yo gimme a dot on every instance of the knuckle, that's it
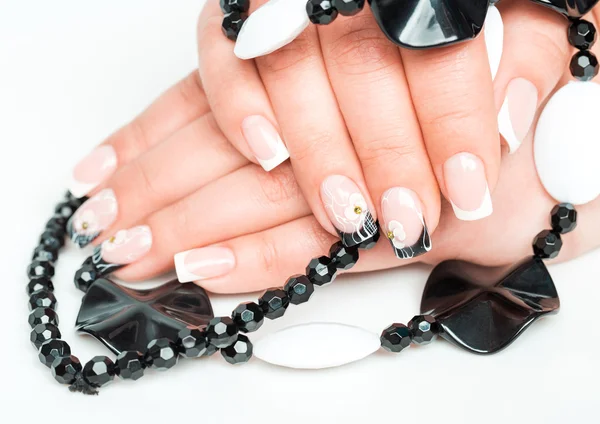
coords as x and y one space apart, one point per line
304 50
147 182
268 255
190 89
312 141
390 150
134 138
551 43
278 186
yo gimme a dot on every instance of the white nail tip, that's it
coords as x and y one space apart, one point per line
271 27
566 156
506 128
183 275
78 189
485 210
494 38
281 156
316 346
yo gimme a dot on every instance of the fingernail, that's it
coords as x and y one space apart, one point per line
404 223
494 38
127 246
518 112
265 142
92 170
94 216
467 187
203 263
347 210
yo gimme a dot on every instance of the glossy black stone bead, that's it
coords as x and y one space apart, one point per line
75 201
52 239
348 7
39 284
321 271
191 342
274 303
42 299
43 316
582 34
130 365
424 329
210 350
65 369
564 218
547 244
39 269
228 6
321 12
396 338
43 253
161 354
569 8
369 242
42 333
65 210
85 277
248 317
342 256
232 24
52 349
239 352
221 332
299 289
584 65
57 223
99 371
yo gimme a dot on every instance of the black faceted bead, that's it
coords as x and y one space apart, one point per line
58 224
191 342
584 65
42 299
423 328
39 284
130 365
369 243
582 34
38 269
299 289
228 6
232 24
274 302
221 332
75 201
396 338
239 352
547 244
65 210
248 317
43 253
161 354
52 349
342 256
321 271
42 333
348 7
564 218
99 371
321 12
85 277
65 369
43 316
210 350
52 239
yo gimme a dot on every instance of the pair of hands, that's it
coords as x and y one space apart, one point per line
348 104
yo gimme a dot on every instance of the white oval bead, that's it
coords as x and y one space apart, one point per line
316 346
567 144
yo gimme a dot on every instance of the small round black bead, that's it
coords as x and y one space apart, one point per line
396 338
210 350
564 218
75 201
342 256
248 317
299 289
274 303
161 354
65 369
40 269
52 349
39 284
85 277
228 6
582 34
58 224
424 328
65 210
42 333
130 365
547 244
321 271
232 24
584 65
52 239
321 12
239 352
191 342
43 253
371 242
42 316
99 371
221 332
348 7
42 299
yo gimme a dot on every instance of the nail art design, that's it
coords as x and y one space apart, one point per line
92 170
93 217
405 224
348 211
265 142
203 263
124 248
518 112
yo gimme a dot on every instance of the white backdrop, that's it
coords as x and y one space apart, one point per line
70 73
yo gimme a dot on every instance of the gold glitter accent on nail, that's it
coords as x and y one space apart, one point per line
357 210
390 235
85 225
112 239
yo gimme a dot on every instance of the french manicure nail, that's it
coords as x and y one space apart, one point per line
494 38
265 142
92 170
347 210
94 216
467 186
203 263
518 112
405 224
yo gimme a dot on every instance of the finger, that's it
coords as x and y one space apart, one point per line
176 108
236 94
363 64
182 164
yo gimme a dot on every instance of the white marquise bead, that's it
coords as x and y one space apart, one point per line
271 27
494 38
567 144
316 346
